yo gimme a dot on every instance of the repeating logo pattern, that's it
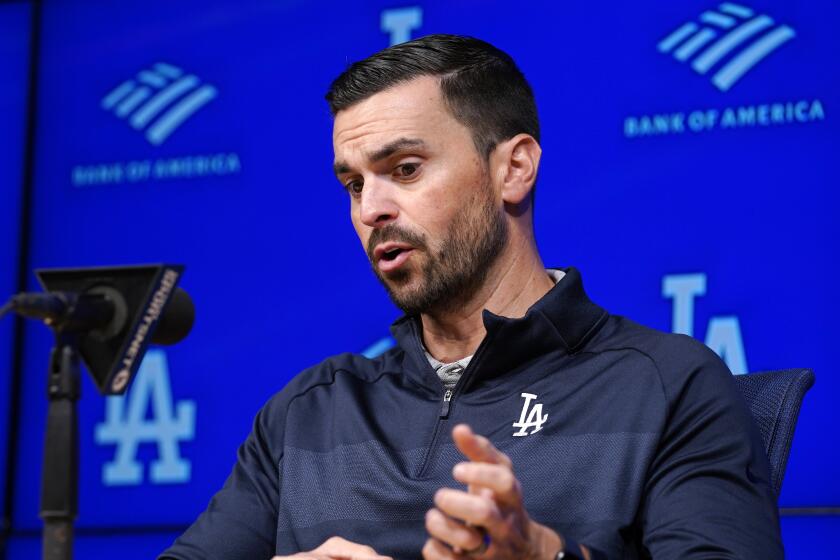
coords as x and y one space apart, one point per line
730 41
723 334
159 100
400 22
379 347
127 426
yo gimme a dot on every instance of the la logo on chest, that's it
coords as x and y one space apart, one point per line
531 418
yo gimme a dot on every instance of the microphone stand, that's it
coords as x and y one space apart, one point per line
60 472
121 307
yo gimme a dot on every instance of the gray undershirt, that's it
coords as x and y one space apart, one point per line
450 373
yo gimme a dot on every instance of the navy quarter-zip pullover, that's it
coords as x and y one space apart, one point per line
633 442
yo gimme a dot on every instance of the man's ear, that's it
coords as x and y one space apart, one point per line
517 161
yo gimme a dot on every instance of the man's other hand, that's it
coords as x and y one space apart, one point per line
489 520
336 548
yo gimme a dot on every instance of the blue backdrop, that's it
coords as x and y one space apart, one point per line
687 171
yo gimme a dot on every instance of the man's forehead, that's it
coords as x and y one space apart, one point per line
404 110
402 95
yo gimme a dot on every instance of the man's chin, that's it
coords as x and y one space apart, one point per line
401 283
407 292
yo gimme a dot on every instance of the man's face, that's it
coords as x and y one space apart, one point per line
422 201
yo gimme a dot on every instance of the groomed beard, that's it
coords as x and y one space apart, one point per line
453 274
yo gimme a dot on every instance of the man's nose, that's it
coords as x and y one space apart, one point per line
377 206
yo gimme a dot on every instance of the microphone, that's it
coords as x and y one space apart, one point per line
110 314
107 316
102 312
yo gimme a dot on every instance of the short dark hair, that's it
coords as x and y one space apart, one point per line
481 85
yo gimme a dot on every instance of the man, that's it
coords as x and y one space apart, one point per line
597 431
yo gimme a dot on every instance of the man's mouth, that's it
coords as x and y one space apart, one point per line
391 255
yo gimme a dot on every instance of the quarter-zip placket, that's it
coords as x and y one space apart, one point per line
446 404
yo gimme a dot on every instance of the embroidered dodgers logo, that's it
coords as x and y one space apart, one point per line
533 419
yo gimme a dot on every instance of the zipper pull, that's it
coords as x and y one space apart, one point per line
444 407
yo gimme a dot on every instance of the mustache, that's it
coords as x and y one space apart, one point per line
393 232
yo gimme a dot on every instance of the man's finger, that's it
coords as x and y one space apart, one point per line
452 532
470 508
436 550
500 479
478 448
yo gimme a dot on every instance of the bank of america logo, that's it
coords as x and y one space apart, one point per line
158 100
729 42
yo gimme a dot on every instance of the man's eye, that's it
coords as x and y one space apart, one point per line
406 170
354 187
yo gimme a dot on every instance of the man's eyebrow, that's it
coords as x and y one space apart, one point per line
393 147
340 167
389 149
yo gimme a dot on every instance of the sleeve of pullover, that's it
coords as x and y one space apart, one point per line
241 520
708 493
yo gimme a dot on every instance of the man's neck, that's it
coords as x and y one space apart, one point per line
515 282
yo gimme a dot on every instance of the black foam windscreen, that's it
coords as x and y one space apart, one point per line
148 308
177 319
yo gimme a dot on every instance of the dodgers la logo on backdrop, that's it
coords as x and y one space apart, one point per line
723 334
126 426
533 419
739 25
379 347
133 100
399 23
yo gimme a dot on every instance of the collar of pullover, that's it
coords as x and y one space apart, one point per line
564 319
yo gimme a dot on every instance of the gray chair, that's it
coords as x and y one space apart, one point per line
774 398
